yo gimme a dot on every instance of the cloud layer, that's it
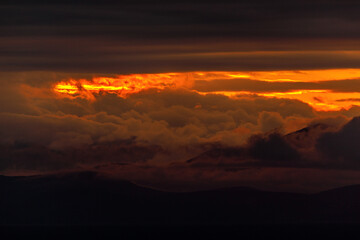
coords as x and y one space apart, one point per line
179 136
183 36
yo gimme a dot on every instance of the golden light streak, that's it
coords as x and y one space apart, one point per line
321 100
121 85
125 85
307 75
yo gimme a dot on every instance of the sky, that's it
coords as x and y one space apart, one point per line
183 96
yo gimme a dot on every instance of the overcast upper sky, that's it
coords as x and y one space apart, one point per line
184 36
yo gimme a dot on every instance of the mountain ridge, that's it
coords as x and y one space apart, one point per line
88 198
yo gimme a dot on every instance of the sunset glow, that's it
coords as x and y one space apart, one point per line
125 85
121 85
134 114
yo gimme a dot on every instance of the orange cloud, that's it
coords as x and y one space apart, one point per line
306 86
121 85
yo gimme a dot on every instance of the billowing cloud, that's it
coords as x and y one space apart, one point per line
168 118
249 125
330 144
206 140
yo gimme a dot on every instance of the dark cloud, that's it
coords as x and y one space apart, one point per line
183 36
307 137
318 99
154 63
327 145
262 150
24 155
184 19
348 100
324 144
342 147
272 148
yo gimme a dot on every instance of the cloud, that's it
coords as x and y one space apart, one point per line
272 148
342 147
315 146
177 124
167 118
157 62
151 135
127 38
264 86
80 19
348 100
270 121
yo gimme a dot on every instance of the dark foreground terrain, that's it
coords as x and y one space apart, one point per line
87 199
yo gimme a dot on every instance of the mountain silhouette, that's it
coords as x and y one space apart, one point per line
87 198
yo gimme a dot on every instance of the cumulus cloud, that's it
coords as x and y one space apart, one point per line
177 124
207 138
169 118
325 144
